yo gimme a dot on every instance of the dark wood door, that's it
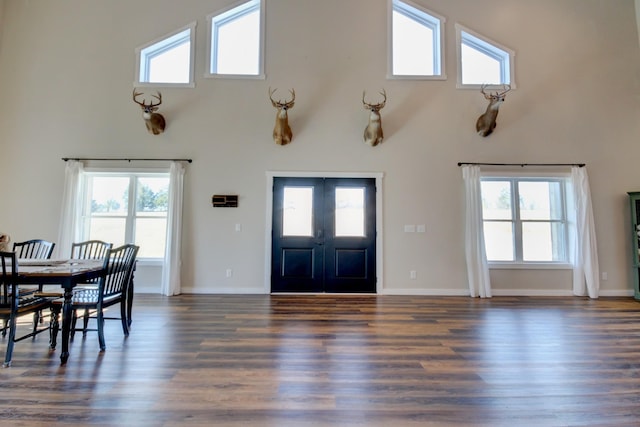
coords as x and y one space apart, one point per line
324 235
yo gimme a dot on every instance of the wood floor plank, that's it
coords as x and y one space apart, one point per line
352 360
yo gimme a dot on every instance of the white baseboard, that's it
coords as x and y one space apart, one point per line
225 291
421 292
504 292
426 292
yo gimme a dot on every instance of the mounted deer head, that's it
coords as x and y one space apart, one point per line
282 134
487 122
373 132
155 121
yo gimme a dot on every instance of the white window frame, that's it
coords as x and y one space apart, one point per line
567 202
145 53
228 14
85 203
429 19
493 49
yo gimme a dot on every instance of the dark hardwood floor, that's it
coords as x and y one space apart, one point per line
289 360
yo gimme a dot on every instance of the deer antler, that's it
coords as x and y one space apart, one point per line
506 88
378 106
279 104
135 95
159 98
143 103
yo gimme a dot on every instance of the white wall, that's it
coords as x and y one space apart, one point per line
66 72
637 4
1 20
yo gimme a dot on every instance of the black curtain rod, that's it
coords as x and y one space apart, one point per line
128 160
523 164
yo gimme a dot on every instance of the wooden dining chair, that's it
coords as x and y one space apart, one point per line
89 249
14 304
33 249
111 290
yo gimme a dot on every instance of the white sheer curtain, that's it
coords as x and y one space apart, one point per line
477 266
586 272
69 216
172 258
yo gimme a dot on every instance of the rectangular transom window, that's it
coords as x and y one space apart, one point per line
416 40
525 219
236 38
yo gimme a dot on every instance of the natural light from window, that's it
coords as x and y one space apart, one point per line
127 208
167 61
236 40
349 214
482 62
533 229
415 42
297 219
478 68
172 66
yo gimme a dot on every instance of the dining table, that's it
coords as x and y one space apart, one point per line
67 274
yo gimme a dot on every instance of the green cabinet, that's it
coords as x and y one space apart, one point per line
634 201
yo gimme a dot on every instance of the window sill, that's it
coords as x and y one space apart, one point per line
530 266
416 77
150 262
164 85
260 76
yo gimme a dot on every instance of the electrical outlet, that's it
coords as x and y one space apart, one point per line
229 272
413 274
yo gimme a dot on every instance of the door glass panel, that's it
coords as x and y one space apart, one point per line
297 208
349 212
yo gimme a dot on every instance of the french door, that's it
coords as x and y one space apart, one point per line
324 235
